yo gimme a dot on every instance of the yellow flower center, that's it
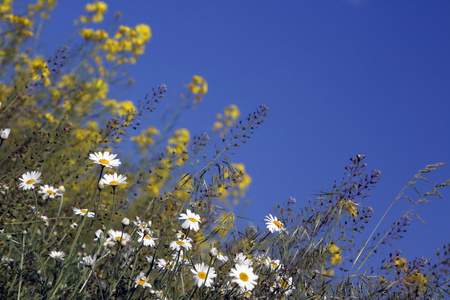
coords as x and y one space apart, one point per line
30 181
147 237
202 275
274 265
118 238
83 211
141 281
243 277
278 224
114 182
50 192
181 243
192 220
103 161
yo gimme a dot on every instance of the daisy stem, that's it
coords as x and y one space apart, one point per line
112 211
21 266
56 221
35 218
69 256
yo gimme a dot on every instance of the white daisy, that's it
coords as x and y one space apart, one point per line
88 261
84 211
177 245
48 192
274 264
243 275
105 159
57 255
192 220
29 179
162 264
203 274
241 259
119 236
179 256
146 239
114 179
273 224
142 280
4 133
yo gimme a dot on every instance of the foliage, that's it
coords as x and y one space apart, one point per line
163 227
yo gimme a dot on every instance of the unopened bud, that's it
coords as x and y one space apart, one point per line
61 189
4 133
213 252
101 185
125 222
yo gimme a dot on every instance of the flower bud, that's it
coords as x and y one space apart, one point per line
4 133
125 222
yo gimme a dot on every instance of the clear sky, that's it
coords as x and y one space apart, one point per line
340 78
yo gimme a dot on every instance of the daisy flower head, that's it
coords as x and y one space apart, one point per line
119 236
241 259
180 257
273 224
192 220
203 274
162 264
105 159
114 179
177 245
142 280
4 133
57 255
88 261
83 212
29 179
243 275
146 239
48 192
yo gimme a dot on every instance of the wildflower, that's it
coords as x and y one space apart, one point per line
29 179
180 257
6 260
83 212
57 255
203 274
146 239
114 179
48 192
284 285
44 218
243 275
162 264
142 280
119 236
241 259
88 261
177 245
105 159
4 133
192 220
125 222
274 264
141 224
273 224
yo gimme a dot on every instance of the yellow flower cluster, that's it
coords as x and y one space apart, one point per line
198 87
24 23
146 138
336 259
120 108
177 145
96 12
227 119
349 207
40 70
126 45
237 183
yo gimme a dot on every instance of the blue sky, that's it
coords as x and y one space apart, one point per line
340 78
